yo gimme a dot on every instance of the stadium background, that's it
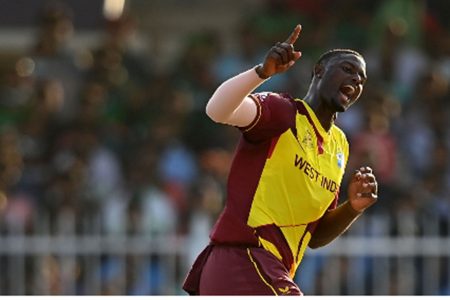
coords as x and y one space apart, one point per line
111 175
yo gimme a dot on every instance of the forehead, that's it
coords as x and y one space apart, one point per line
348 57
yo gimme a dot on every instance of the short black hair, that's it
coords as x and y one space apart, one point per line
324 58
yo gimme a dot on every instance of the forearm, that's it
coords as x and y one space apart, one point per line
333 224
230 103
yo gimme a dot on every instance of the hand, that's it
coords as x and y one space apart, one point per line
363 189
280 57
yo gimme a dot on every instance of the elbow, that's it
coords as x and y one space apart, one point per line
213 114
314 245
317 243
209 112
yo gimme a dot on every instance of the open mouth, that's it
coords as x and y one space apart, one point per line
348 91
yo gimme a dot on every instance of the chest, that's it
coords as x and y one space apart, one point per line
305 158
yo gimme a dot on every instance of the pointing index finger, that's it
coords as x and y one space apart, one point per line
294 35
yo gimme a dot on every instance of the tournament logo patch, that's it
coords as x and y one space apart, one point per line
307 141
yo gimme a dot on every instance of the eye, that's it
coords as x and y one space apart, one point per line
347 69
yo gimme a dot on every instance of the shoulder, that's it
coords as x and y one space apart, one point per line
276 113
273 104
272 96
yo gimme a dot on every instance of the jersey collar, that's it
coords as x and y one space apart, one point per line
321 134
312 117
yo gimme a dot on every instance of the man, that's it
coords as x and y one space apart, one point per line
285 177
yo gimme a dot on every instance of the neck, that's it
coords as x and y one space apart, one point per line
324 114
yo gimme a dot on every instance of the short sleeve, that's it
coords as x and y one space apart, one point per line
275 114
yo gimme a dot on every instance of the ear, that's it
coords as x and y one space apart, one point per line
318 70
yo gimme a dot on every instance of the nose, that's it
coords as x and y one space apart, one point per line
357 78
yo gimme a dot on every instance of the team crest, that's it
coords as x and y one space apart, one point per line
340 160
307 140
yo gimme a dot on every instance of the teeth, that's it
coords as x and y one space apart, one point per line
348 88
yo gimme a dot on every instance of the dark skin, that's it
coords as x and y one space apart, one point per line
336 85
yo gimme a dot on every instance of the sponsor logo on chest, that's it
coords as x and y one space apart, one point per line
314 175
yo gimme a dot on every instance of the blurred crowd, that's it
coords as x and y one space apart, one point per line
103 138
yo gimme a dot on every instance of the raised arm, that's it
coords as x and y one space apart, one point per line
231 104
